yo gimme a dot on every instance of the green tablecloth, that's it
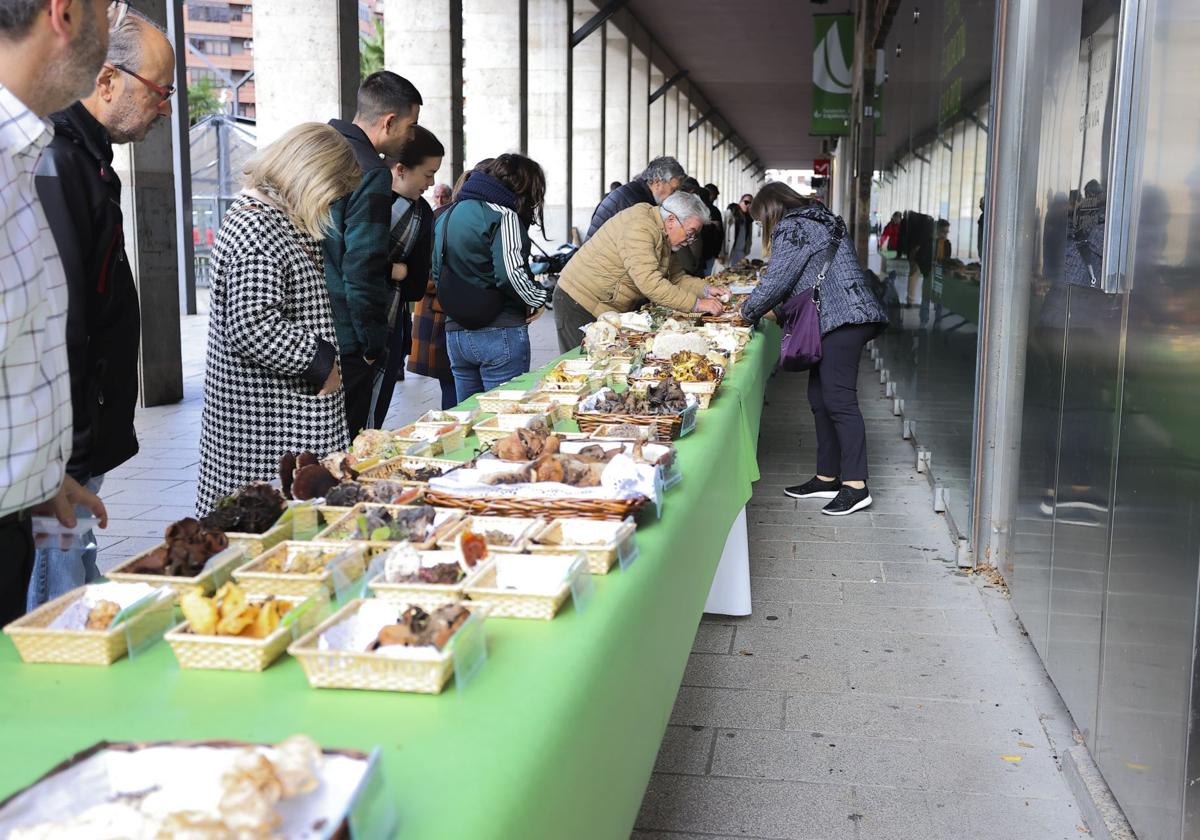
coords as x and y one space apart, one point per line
557 735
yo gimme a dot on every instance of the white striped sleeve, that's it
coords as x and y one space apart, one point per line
513 260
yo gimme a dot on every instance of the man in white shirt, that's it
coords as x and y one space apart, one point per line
50 53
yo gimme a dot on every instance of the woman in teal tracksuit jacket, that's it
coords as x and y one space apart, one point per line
484 238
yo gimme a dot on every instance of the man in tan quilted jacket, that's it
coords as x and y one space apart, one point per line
627 262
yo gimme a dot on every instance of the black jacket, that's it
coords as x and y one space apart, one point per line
626 195
712 235
82 198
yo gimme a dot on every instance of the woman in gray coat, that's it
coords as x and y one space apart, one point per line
804 235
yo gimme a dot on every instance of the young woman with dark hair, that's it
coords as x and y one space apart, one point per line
806 239
411 253
481 267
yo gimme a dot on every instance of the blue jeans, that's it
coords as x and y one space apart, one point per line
485 359
57 571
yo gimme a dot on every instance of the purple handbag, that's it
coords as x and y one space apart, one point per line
800 319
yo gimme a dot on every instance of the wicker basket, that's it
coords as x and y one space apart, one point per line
209 581
509 603
546 508
494 402
560 403
608 431
520 528
502 425
235 653
467 417
255 580
35 641
393 466
451 441
340 530
427 596
256 544
601 555
667 425
367 671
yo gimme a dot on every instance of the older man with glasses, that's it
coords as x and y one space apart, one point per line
628 261
50 53
82 197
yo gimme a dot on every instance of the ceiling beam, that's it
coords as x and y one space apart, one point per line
597 20
705 117
668 84
728 134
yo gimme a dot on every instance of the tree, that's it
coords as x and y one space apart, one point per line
370 52
202 99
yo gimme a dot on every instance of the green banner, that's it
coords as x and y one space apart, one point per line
833 74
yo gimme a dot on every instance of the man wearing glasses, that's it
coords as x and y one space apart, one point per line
739 228
50 52
81 195
628 261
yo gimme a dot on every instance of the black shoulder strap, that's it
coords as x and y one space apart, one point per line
446 231
830 253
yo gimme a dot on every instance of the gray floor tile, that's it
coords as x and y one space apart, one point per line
818 757
953 593
772 674
982 817
892 814
801 591
860 617
685 749
828 570
729 707
741 807
713 638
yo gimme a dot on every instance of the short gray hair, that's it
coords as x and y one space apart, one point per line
125 42
662 169
683 206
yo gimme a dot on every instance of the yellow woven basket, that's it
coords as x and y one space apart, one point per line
234 653
36 642
208 581
481 588
502 425
601 556
368 671
257 581
256 544
427 596
392 467
340 530
521 529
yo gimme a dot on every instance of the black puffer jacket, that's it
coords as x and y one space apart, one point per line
82 198
626 195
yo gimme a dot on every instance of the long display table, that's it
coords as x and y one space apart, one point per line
555 737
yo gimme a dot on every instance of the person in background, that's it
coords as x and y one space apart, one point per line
739 231
271 380
658 180
979 231
428 355
629 262
889 239
411 255
802 232
357 269
942 250
82 197
615 185
50 53
441 196
689 259
713 234
481 266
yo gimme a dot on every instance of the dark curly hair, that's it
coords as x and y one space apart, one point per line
524 176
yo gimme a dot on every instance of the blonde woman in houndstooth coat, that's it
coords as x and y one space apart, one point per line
272 383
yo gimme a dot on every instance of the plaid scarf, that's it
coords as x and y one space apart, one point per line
407 217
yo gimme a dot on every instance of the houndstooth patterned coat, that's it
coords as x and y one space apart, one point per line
269 327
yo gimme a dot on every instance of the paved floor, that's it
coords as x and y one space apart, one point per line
876 692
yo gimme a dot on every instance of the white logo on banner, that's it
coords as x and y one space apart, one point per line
831 71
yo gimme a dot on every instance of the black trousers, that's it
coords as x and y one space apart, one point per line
391 369
16 566
833 395
358 381
569 319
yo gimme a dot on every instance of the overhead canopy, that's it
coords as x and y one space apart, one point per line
753 61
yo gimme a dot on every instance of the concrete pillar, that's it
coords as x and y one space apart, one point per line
639 117
681 130
693 158
423 43
547 107
671 122
491 78
153 242
587 155
657 113
616 105
305 65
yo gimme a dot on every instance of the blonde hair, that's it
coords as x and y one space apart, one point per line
303 173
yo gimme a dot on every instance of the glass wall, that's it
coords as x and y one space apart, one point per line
931 161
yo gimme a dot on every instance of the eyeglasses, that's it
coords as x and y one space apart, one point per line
164 93
117 10
690 236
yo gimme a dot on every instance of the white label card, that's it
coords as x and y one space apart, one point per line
469 649
628 551
583 588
